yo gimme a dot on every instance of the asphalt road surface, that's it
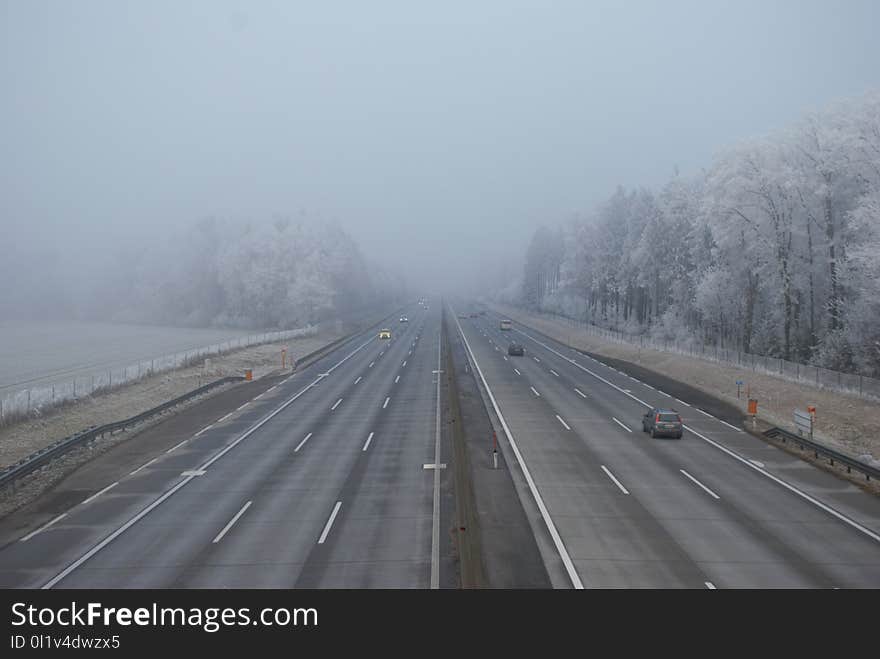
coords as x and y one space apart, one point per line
715 509
320 482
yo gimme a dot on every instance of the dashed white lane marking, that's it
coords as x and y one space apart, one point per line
177 446
360 377
622 425
270 390
205 429
562 421
329 523
616 482
711 493
222 419
536 359
505 357
704 413
300 445
404 363
730 426
664 393
43 527
143 466
648 385
97 494
710 585
580 393
682 402
336 404
371 365
554 372
535 392
367 443
231 522
241 407
517 371
385 404
397 379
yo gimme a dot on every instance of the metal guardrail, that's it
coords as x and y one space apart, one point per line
57 449
821 450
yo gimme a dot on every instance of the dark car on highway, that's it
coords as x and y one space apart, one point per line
516 349
662 423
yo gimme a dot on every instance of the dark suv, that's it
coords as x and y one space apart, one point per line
515 349
660 423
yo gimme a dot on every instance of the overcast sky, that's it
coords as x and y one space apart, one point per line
437 133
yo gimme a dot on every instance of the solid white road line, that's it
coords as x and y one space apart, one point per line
554 372
704 413
622 425
97 494
535 392
397 379
517 371
300 445
231 522
43 527
730 426
360 377
616 482
336 404
710 585
562 421
435 515
539 500
580 393
385 404
367 443
329 523
711 493
757 463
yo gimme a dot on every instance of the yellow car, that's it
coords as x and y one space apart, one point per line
385 334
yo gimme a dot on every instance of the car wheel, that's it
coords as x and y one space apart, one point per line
653 433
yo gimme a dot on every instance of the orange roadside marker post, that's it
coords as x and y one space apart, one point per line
753 410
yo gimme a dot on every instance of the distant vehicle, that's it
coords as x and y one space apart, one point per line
482 313
385 333
474 315
404 319
506 324
660 422
516 349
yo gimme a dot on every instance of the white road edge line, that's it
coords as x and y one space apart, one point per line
300 445
539 500
170 492
562 421
367 443
616 482
730 426
621 424
231 522
711 493
329 523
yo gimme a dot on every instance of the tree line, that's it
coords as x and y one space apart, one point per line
774 249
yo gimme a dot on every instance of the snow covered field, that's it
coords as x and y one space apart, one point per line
45 363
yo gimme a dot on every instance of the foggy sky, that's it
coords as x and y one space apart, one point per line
438 134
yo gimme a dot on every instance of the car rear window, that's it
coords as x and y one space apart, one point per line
669 417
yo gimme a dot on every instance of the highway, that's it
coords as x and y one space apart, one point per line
716 509
320 482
